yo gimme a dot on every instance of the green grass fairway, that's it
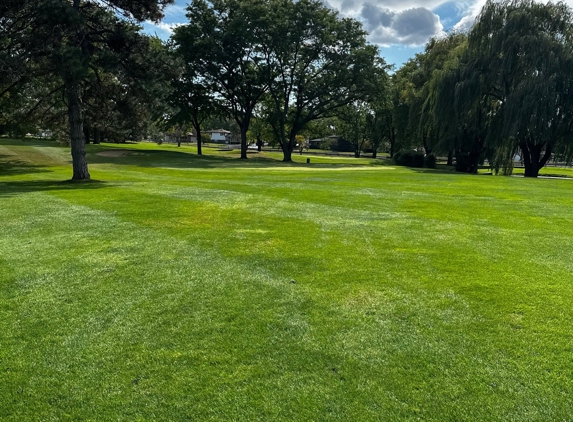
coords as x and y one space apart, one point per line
177 287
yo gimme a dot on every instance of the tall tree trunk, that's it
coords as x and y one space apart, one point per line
86 134
75 118
450 158
477 149
287 155
532 159
259 144
288 148
374 153
531 169
199 142
97 136
244 129
392 141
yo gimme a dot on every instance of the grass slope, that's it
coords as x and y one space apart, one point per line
180 287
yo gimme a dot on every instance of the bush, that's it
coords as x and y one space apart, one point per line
326 145
462 162
430 161
342 145
409 158
418 159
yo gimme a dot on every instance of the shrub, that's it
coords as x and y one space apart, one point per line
326 145
342 145
462 162
409 158
430 161
417 159
402 158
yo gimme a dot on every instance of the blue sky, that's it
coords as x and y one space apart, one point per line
399 27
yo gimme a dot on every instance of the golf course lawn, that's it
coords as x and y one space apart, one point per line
177 287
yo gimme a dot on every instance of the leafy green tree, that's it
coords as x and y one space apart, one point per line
318 61
518 78
259 132
379 102
61 38
191 102
354 125
403 121
124 98
221 45
391 115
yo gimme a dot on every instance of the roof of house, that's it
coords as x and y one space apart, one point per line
217 131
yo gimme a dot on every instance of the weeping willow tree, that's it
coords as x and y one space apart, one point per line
441 120
520 71
463 103
431 123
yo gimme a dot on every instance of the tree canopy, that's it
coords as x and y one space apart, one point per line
65 42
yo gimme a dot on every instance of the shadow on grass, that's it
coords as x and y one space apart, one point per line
444 169
28 186
182 160
11 167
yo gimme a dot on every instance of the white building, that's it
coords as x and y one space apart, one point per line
222 136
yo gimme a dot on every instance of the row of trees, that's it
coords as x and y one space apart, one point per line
286 62
284 69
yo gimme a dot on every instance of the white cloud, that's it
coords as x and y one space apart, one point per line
470 16
395 22
410 26
473 10
166 27
175 10
389 22
355 6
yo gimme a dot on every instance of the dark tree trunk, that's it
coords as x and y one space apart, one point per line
287 148
287 155
532 159
97 136
357 153
391 136
79 163
86 134
475 153
244 141
199 142
531 169
374 153
451 158
259 144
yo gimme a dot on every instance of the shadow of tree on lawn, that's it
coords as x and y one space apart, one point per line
27 186
11 166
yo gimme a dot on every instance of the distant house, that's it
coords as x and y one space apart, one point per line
222 136
176 138
317 143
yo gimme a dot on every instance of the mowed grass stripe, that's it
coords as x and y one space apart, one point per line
186 309
171 313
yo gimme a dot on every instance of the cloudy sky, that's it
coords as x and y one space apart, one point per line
399 27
